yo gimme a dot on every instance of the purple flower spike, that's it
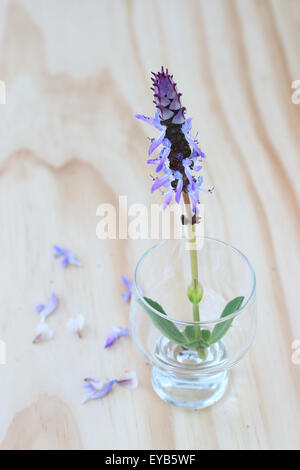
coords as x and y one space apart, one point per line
69 257
116 334
44 310
181 154
129 285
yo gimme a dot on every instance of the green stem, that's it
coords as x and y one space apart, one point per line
194 261
196 314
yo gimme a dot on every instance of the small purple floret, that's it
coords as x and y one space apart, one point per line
96 393
68 256
128 380
116 334
129 285
44 310
98 388
39 308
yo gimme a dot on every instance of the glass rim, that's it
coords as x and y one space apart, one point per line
201 323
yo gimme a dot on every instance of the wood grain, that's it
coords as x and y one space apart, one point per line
76 72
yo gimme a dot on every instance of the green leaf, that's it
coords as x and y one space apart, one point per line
221 328
194 342
190 333
198 343
165 326
206 335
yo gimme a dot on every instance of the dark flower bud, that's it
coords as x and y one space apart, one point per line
167 98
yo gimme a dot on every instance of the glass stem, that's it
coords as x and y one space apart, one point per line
193 259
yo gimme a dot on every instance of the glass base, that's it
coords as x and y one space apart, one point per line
193 394
185 380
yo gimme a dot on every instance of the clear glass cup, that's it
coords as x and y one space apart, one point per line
181 375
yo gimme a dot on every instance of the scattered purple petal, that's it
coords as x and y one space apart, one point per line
116 334
94 384
58 251
42 333
69 257
76 325
95 394
98 388
129 285
128 380
44 310
39 308
64 263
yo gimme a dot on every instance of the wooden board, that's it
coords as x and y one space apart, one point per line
76 72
